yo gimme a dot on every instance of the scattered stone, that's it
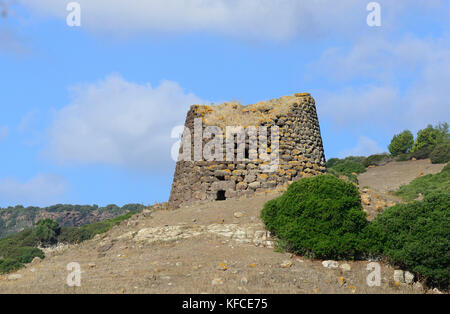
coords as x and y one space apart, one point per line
91 265
409 277
254 185
286 264
14 277
418 286
238 214
244 280
105 248
217 281
436 291
345 267
330 264
36 260
365 198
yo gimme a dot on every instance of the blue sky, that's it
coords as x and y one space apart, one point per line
86 112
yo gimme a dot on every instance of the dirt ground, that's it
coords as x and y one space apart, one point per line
219 247
395 174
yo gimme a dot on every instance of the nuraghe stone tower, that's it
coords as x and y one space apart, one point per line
292 129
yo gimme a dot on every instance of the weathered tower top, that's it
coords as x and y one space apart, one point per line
230 150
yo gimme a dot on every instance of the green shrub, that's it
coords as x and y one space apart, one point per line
8 265
320 217
422 153
401 143
332 162
426 185
376 160
18 249
87 232
349 167
404 157
441 153
416 237
47 231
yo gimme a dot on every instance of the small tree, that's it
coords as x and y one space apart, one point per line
431 136
401 143
47 231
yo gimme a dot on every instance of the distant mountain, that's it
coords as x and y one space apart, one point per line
15 219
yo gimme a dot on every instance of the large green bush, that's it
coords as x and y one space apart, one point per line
401 143
416 236
320 217
441 153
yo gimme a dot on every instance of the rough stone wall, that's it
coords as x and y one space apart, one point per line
300 151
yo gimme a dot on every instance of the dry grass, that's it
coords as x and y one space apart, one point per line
236 114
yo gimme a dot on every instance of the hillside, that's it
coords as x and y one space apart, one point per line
18 218
218 247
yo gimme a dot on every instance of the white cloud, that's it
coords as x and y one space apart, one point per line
409 90
41 190
364 147
119 123
365 106
4 131
259 19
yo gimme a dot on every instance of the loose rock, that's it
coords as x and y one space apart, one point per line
330 264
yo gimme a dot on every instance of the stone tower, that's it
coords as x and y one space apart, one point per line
287 146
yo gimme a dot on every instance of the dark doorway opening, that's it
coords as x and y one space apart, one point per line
221 195
221 178
247 153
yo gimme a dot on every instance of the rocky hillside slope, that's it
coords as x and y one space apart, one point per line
15 219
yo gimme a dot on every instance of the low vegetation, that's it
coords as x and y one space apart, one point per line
427 185
353 165
416 236
322 217
20 248
15 219
432 142
349 167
